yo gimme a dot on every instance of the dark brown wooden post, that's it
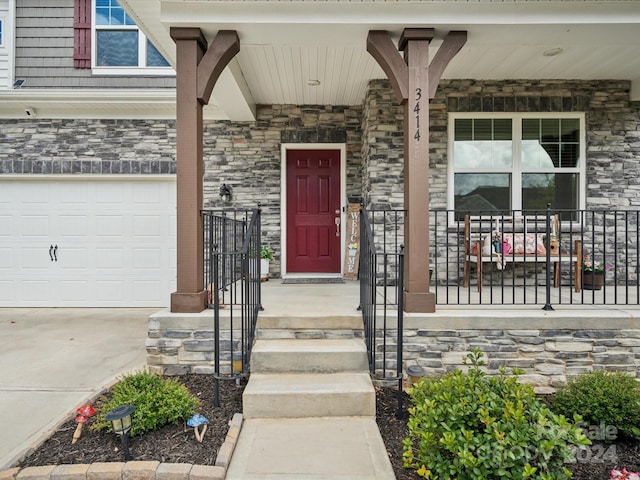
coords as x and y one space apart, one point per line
417 296
197 69
414 82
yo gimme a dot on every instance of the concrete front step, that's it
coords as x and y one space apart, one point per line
310 322
309 356
306 333
297 395
310 448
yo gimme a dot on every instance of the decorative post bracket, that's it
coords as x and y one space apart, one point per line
414 82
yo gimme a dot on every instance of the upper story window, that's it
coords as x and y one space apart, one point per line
120 48
502 162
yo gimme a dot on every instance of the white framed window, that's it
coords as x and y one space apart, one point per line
119 47
501 162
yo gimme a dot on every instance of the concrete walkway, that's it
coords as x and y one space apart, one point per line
310 448
53 360
309 406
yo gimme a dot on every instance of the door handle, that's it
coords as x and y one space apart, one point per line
55 253
337 220
51 252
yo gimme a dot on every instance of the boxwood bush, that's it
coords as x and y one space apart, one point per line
158 400
604 399
470 426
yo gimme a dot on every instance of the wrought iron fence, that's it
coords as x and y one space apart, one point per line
232 240
381 287
535 257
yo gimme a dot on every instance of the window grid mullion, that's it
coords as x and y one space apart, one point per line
516 176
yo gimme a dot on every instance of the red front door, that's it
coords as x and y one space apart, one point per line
313 205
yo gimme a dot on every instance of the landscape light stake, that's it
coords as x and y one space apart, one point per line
120 418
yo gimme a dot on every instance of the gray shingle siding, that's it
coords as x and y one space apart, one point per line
44 51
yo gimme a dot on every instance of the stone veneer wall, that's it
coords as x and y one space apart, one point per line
179 343
613 133
549 350
245 155
67 146
613 145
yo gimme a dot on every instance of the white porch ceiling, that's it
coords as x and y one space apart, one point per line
285 44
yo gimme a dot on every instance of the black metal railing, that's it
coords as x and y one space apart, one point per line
232 242
381 286
224 231
553 274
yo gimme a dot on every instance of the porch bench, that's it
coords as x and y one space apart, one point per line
523 246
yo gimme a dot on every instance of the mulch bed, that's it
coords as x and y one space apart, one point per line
177 443
171 443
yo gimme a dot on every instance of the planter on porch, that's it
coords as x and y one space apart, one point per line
264 269
592 280
266 255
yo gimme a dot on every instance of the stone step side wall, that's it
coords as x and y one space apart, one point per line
179 344
549 357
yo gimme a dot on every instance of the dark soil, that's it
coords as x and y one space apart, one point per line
177 443
171 443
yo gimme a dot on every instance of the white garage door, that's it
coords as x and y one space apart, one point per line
87 241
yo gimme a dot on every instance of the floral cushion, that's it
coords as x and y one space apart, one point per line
529 243
512 244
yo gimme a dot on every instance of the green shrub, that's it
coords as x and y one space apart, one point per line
471 426
158 401
603 399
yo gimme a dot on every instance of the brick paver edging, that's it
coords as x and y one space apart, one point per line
136 470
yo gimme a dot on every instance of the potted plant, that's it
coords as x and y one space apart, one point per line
266 255
593 273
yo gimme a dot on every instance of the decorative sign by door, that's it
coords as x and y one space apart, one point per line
352 259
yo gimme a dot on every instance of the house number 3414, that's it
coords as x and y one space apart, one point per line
416 109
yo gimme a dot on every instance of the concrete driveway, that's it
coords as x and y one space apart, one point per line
53 360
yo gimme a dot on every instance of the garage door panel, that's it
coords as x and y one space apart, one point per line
109 226
110 194
145 258
72 259
8 195
73 291
112 251
109 258
173 225
35 291
78 196
72 226
172 258
110 290
34 197
146 290
6 259
34 226
7 293
147 225
147 194
6 225
35 258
